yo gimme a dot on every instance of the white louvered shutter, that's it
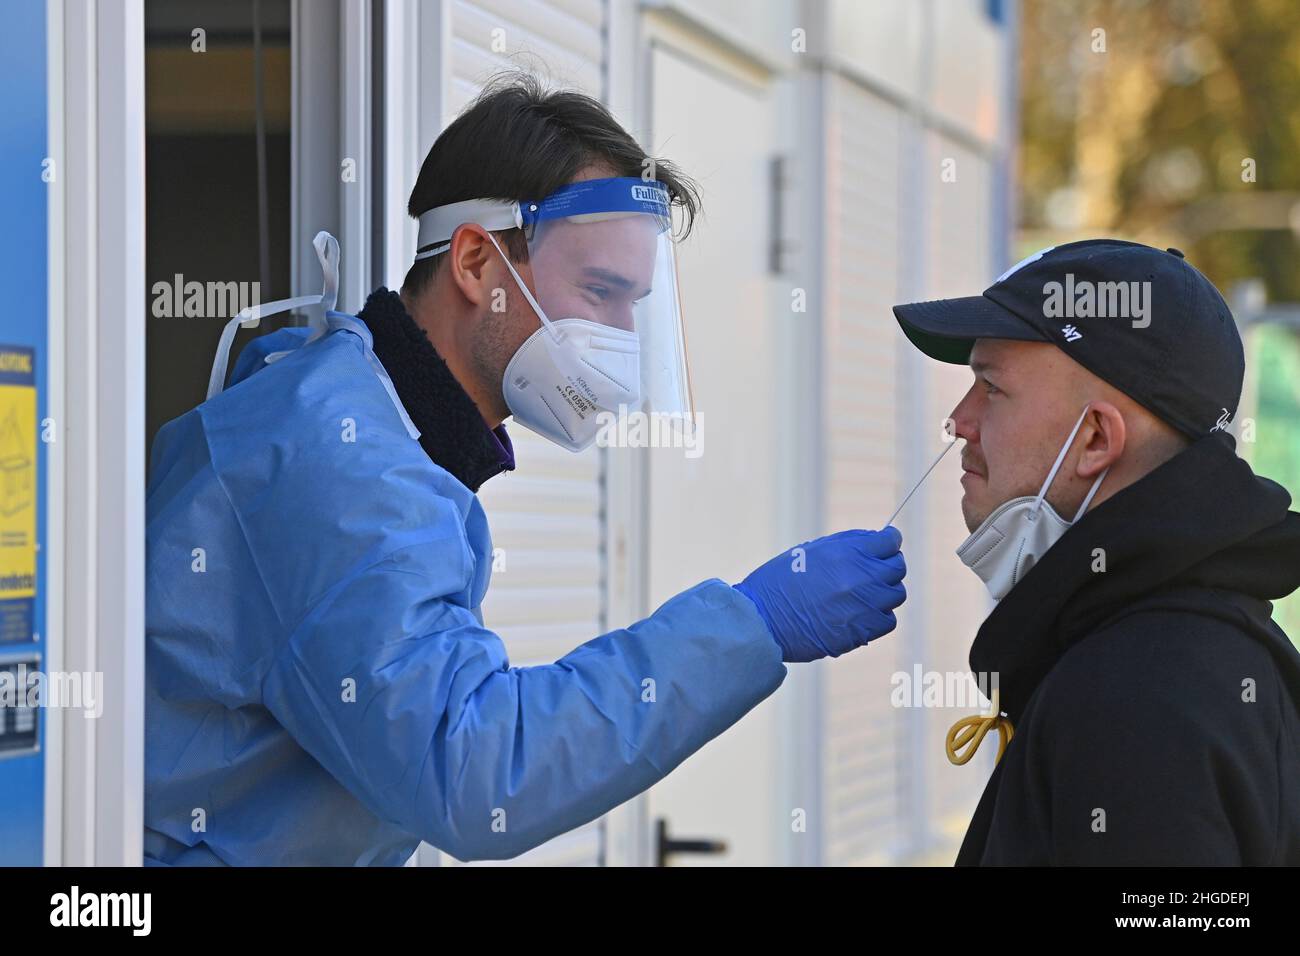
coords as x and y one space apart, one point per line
863 753
547 517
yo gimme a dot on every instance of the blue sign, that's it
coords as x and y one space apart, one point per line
25 178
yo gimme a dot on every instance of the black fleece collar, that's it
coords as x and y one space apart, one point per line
452 432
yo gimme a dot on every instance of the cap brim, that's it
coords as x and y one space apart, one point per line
946 329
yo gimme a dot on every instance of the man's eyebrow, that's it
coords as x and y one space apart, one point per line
981 365
613 278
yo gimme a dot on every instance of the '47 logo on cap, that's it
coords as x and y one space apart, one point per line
1072 334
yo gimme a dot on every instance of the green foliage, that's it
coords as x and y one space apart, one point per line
1147 139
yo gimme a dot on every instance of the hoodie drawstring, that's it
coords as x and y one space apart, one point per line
974 728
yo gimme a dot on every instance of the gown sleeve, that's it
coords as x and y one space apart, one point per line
405 698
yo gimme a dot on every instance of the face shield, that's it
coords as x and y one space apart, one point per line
610 339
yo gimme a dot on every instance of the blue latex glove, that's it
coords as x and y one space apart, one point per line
828 596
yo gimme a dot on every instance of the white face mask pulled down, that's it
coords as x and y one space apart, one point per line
1011 540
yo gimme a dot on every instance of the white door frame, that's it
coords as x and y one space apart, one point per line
629 827
98 309
330 124
688 33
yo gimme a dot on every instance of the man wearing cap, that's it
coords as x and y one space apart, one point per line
1155 706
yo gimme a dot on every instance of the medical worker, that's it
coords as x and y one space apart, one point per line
321 688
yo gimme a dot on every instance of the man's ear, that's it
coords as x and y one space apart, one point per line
468 259
1104 436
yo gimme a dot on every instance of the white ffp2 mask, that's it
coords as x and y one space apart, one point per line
569 371
1011 540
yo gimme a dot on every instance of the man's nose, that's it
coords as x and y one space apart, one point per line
964 418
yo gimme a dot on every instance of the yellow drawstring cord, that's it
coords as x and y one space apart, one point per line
975 727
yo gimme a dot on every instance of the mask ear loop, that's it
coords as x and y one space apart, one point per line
555 334
1065 450
1091 492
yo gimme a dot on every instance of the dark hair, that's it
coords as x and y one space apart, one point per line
518 141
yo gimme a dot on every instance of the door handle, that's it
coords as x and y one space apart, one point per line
666 846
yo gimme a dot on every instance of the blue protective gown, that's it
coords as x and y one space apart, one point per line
320 688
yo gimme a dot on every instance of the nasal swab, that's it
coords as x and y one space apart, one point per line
918 484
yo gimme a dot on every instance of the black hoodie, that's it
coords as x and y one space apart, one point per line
1156 705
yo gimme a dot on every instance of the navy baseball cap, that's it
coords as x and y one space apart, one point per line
1142 319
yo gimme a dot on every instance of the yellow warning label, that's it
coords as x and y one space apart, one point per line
17 492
